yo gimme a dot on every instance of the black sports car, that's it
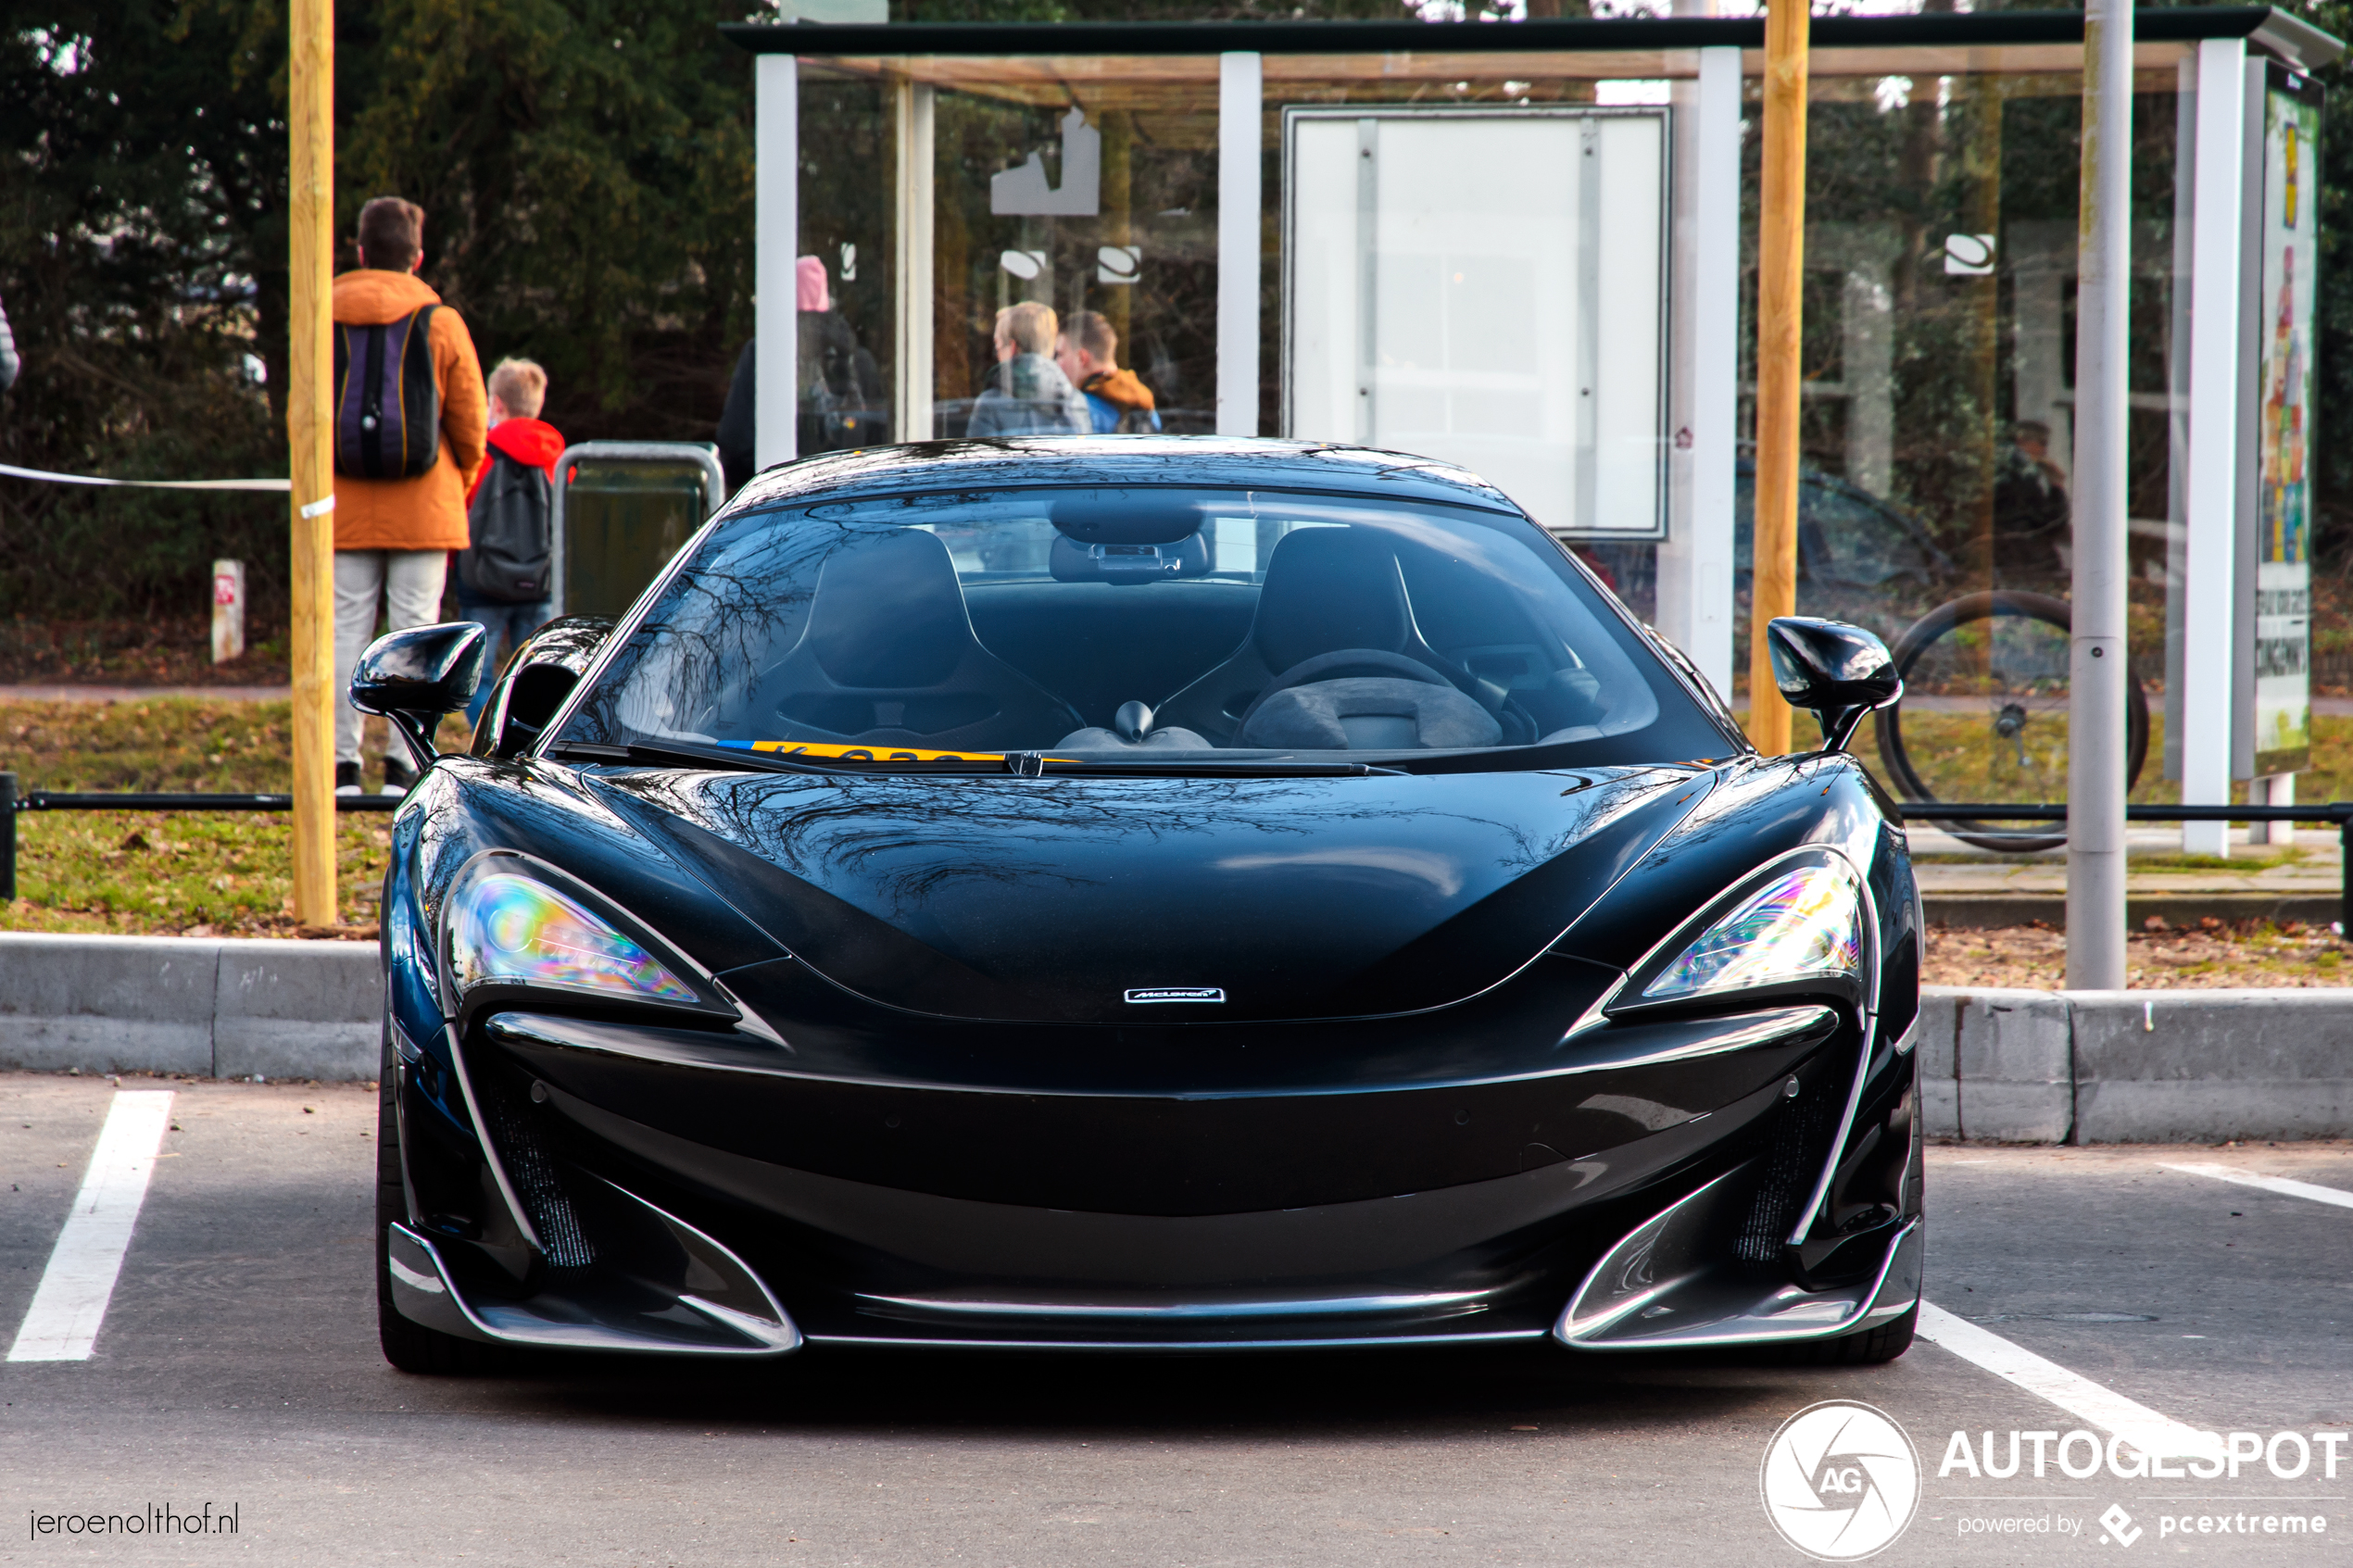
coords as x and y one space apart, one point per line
1147 893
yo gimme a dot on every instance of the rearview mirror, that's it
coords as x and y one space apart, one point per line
1839 671
414 677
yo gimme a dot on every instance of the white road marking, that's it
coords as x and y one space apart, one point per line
2337 1195
2159 1436
71 1301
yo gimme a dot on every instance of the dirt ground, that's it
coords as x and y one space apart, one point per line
2211 955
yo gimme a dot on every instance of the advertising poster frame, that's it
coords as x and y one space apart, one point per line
2273 701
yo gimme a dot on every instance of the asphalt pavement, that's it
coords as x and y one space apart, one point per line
236 1365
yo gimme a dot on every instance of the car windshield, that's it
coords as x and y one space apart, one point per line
1138 625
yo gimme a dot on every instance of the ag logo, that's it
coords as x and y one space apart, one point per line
1840 1481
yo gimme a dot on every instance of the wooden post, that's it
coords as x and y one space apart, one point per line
310 430
1780 286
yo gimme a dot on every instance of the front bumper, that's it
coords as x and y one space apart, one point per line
623 1162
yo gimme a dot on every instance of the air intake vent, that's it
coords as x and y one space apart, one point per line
537 1187
1797 1146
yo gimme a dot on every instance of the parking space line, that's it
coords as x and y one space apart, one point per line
62 1323
2158 1435
2336 1196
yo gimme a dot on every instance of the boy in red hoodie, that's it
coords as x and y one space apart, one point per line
502 578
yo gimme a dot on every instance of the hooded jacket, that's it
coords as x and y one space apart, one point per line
534 443
429 511
1029 394
1121 404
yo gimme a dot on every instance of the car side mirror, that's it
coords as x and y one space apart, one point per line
1839 671
414 677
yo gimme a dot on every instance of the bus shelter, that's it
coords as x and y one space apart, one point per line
1530 248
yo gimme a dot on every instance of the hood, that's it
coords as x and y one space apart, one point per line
1120 389
1051 899
535 442
372 296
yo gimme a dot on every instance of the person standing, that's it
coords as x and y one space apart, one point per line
1119 404
503 576
1028 394
400 481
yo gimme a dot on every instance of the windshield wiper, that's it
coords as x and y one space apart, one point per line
674 757
1172 767
1026 764
742 760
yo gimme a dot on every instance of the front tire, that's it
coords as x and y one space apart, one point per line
409 1346
1871 1347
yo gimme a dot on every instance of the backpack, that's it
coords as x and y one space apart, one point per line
388 399
511 523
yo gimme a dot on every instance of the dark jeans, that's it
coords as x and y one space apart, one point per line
508 624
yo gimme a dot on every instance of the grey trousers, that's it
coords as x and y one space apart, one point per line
407 585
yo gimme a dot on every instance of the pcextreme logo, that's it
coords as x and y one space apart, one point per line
1840 1481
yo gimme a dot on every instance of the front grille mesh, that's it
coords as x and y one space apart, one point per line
537 1184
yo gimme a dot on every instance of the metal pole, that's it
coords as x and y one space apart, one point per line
310 431
8 838
912 112
1781 285
2095 784
1240 235
2344 891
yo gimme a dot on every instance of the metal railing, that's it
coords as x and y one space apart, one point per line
2333 814
12 803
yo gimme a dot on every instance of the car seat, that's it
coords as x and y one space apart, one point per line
888 658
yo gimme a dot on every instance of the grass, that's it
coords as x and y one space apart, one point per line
1957 747
178 872
182 873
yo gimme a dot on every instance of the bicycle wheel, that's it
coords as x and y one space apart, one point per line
1985 712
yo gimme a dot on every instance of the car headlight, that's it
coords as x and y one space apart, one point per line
1800 925
517 930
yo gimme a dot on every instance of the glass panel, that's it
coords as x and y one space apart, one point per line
848 336
1090 195
1937 425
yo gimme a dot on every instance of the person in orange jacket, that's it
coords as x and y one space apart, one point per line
393 536
1116 402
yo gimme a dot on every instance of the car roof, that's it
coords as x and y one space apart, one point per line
1188 461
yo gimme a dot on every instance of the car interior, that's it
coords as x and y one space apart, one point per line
1106 626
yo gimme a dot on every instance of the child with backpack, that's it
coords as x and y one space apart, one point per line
502 580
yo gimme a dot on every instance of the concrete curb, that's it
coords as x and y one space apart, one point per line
226 1009
2091 1067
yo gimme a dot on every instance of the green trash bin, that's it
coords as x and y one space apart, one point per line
622 510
